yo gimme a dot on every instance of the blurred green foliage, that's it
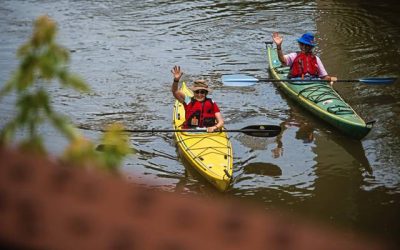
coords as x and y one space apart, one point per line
43 61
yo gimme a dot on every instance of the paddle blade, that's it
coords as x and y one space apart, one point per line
378 80
262 130
238 80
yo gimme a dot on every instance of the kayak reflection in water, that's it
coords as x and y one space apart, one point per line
200 111
303 64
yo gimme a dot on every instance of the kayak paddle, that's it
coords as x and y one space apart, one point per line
240 80
252 130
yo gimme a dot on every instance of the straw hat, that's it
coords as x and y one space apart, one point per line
200 84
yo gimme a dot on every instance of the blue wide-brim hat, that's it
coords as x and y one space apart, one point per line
307 39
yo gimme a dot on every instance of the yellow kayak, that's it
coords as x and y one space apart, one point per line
209 153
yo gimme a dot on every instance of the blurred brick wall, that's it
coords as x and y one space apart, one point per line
44 205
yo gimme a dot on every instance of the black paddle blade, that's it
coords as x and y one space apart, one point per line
262 130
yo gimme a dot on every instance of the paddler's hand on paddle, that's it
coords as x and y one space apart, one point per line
277 39
332 80
220 123
213 129
177 73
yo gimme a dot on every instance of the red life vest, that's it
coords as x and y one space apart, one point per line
304 65
200 114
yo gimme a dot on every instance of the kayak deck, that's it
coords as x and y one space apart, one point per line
209 153
320 99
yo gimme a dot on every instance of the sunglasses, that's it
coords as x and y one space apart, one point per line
201 91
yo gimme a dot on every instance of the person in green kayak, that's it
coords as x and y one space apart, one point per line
200 111
303 64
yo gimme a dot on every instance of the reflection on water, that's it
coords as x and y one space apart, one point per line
260 168
363 35
125 50
368 45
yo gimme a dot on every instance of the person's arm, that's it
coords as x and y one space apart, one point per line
323 74
278 41
281 57
218 125
177 73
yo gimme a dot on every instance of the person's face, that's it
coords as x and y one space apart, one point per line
305 47
200 94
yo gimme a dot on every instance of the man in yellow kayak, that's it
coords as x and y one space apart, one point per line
303 64
200 111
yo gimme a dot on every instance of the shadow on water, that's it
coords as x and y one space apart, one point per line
262 168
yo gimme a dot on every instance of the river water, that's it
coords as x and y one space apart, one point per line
126 49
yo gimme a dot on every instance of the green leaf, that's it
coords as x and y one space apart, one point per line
8 132
65 127
77 83
8 87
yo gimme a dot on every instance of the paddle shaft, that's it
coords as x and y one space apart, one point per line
292 80
245 80
195 130
252 130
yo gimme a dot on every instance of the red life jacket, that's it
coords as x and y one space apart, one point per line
304 65
199 114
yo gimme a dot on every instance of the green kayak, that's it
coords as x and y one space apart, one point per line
320 99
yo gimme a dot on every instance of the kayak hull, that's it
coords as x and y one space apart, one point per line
209 153
320 99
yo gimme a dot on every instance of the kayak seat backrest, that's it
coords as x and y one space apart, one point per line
282 69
